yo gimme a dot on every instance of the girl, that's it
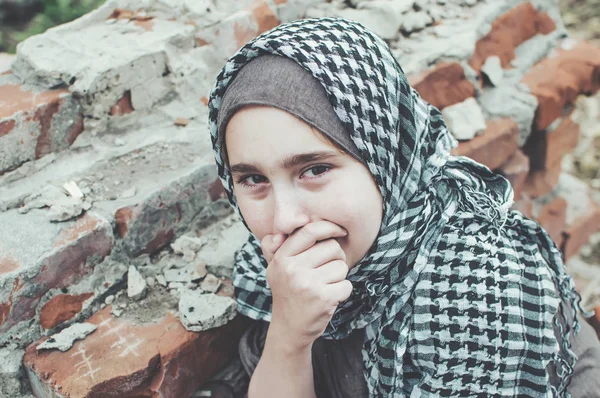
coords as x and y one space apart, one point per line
379 264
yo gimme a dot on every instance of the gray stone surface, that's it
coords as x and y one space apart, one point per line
200 312
64 339
514 102
465 119
136 284
210 284
11 371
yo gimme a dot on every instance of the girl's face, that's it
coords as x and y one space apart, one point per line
287 174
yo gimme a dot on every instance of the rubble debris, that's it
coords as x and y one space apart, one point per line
492 68
465 119
199 312
66 209
73 190
185 274
210 284
136 284
128 193
182 121
64 339
11 359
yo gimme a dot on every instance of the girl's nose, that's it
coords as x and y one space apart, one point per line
289 214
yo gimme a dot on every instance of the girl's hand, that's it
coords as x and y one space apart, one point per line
307 275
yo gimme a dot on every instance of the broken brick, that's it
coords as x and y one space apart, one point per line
515 170
128 359
578 65
552 217
62 308
494 146
508 31
541 182
444 85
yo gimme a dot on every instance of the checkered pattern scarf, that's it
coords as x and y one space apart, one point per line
458 296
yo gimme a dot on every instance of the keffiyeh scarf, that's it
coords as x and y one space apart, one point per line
458 296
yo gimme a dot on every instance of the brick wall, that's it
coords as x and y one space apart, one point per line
105 164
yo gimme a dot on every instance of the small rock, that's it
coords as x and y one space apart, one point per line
65 209
176 285
469 3
161 280
45 198
109 299
136 284
181 121
187 243
119 142
128 193
465 119
116 312
151 281
86 205
492 68
415 21
210 284
64 339
72 189
200 312
185 274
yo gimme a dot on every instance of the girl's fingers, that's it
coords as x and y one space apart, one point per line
308 235
331 272
270 244
322 252
340 291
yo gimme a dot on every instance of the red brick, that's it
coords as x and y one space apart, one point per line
27 131
579 231
511 29
123 105
547 148
444 85
552 217
515 170
125 359
525 206
77 248
62 308
541 182
495 146
579 71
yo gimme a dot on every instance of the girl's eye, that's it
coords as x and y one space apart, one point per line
252 180
316 171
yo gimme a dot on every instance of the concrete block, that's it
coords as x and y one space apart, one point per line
199 312
465 119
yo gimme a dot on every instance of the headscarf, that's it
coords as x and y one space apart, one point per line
458 296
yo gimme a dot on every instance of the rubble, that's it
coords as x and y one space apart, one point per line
136 284
492 68
64 340
210 284
465 119
200 312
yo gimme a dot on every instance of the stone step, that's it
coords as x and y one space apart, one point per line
34 122
141 197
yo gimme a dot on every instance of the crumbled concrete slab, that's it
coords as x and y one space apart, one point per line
136 284
199 312
465 119
210 284
64 340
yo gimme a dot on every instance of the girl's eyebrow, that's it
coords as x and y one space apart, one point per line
288 162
